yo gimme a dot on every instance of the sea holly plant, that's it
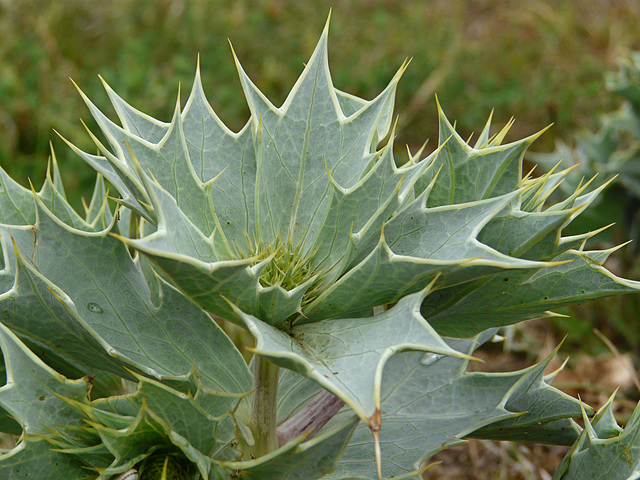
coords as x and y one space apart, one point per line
366 283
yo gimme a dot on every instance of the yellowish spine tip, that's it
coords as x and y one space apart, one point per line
235 57
105 84
439 108
325 30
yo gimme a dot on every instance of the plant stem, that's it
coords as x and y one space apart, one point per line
263 410
311 418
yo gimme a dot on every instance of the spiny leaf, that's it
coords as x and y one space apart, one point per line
429 402
34 298
91 270
463 310
347 356
34 458
604 451
32 389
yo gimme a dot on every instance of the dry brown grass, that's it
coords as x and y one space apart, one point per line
490 460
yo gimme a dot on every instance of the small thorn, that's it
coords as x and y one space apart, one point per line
326 25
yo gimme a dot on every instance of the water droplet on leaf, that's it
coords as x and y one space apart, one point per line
430 358
94 307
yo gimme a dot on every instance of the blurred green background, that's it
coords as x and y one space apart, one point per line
539 61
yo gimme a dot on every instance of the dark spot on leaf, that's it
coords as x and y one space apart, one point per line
41 398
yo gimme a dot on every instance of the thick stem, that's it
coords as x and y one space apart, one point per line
263 411
311 418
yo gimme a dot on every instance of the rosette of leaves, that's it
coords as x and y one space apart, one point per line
371 284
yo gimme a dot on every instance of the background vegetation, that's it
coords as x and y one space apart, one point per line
541 61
